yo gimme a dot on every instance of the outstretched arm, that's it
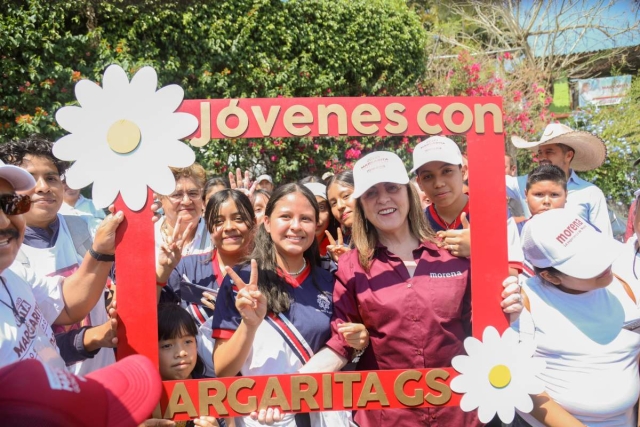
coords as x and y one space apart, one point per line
82 290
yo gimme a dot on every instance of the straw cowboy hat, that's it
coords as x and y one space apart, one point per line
590 151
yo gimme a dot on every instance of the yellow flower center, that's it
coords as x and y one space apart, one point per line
123 136
499 376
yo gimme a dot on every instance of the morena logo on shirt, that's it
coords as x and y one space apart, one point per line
445 275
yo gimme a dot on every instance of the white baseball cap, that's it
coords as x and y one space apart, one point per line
377 167
436 149
561 239
317 189
20 179
265 177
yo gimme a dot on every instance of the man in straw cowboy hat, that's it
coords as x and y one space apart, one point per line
571 151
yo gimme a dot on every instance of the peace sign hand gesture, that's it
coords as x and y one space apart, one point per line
250 302
336 249
171 251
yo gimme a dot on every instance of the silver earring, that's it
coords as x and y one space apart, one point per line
366 225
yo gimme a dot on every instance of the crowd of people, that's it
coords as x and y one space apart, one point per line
364 269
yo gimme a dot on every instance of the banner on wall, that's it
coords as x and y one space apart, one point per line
602 91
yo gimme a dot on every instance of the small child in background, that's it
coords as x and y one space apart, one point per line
178 354
546 189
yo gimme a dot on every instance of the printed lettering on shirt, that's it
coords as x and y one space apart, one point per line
23 308
445 275
324 304
572 230
31 324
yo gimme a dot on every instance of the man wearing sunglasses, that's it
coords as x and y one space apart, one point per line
30 303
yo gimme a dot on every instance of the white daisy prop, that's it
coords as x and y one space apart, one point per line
124 136
498 375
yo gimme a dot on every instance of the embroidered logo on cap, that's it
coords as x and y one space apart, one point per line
569 233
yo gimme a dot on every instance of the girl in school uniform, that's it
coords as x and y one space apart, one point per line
274 315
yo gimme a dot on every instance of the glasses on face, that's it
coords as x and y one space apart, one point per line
14 204
191 194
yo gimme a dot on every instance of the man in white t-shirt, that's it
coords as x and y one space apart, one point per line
54 246
29 303
571 151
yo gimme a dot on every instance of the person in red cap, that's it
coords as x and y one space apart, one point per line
120 395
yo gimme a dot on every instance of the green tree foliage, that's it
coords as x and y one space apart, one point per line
619 127
216 49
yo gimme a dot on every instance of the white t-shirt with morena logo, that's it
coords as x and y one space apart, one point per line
38 303
592 362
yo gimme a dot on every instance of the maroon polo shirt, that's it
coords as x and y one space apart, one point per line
413 322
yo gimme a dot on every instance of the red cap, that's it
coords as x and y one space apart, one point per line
120 395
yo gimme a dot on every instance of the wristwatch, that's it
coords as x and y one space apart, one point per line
101 257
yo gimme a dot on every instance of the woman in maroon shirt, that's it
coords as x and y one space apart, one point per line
414 298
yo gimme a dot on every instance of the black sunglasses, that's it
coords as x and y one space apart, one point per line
14 204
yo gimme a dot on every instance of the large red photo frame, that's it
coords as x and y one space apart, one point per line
479 119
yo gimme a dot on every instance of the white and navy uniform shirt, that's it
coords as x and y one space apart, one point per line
310 313
285 342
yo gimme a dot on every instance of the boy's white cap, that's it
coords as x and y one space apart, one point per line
19 178
377 167
264 177
561 239
436 149
317 189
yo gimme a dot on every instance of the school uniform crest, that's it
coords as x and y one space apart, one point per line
324 304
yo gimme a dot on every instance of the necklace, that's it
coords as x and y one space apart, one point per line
448 225
13 307
297 273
